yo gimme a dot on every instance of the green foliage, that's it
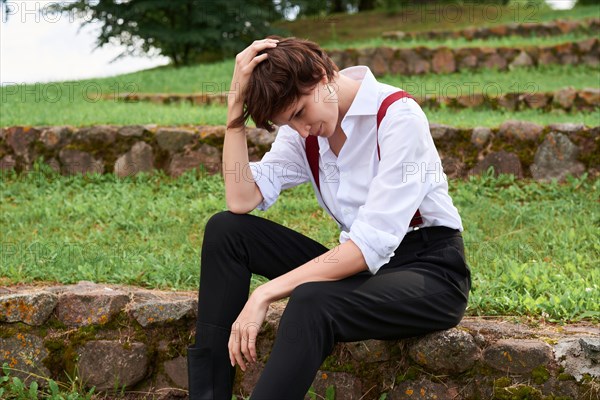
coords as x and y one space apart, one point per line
531 246
186 31
14 388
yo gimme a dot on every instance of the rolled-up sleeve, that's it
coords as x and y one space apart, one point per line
408 156
282 167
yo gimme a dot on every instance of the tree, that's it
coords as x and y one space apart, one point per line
186 31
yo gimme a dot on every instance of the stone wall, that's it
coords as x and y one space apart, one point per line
522 148
443 60
566 99
123 337
550 28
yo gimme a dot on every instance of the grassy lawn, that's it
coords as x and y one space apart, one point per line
350 27
540 254
106 112
79 103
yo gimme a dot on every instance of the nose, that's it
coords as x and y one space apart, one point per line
302 129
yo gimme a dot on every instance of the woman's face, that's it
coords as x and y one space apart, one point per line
313 114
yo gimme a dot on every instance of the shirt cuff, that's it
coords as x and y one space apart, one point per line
376 246
269 188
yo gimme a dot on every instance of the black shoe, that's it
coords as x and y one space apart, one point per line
210 374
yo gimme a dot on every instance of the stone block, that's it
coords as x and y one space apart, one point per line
176 370
556 158
95 307
31 308
79 162
518 356
502 162
174 140
520 130
206 155
139 159
161 311
369 350
579 356
449 352
481 136
108 364
24 353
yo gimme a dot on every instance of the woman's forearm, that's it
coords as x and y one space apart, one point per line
338 263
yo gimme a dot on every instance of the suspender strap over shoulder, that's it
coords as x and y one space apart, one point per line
312 147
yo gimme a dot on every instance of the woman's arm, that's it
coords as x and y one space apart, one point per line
242 194
340 262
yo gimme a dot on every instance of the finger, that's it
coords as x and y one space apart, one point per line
245 349
252 347
256 48
258 59
240 360
235 351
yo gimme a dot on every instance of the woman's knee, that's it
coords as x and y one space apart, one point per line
310 299
223 222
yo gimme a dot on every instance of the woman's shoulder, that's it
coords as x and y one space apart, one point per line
403 106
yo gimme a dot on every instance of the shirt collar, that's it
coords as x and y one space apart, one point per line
365 101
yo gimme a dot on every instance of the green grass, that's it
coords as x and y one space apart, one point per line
215 78
185 114
469 118
532 247
78 103
369 24
546 78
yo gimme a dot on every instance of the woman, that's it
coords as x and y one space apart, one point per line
399 270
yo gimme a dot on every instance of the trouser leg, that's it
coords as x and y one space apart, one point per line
423 288
234 247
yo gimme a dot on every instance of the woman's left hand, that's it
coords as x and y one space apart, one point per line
245 330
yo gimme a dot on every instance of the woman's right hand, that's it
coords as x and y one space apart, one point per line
245 62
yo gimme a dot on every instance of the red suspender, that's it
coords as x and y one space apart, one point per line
312 147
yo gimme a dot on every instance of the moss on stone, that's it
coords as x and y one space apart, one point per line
518 392
7 332
563 376
503 382
540 374
410 374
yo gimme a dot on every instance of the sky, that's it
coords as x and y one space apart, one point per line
38 47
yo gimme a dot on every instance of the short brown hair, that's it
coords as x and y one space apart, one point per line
291 70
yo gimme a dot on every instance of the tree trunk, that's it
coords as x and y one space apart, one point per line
364 5
338 6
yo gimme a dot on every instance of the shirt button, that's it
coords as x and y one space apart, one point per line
347 210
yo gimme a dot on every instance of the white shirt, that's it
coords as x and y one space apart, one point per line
372 201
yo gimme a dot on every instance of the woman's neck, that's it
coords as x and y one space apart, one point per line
346 92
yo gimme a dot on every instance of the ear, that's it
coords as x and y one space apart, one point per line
324 79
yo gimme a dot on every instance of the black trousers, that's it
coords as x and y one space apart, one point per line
423 288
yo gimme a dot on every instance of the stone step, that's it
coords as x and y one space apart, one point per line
539 29
521 148
443 60
139 338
